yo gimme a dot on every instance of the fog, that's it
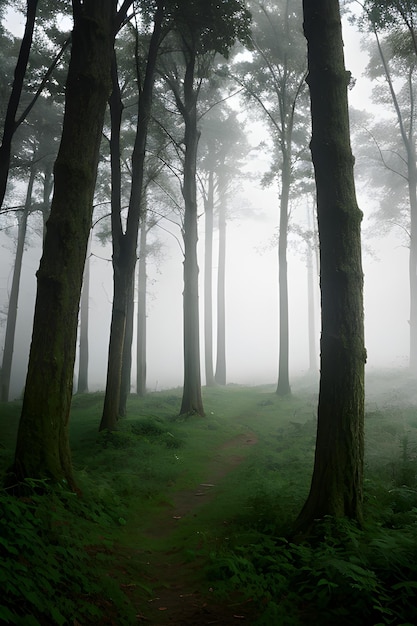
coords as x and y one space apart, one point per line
251 288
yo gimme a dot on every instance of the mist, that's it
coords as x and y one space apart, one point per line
251 285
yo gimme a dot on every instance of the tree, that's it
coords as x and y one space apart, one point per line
42 449
125 241
10 122
19 104
82 383
337 482
223 148
393 60
203 28
141 312
35 150
274 79
6 367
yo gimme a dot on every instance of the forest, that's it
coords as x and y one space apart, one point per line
208 312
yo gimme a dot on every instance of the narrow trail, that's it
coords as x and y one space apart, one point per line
177 582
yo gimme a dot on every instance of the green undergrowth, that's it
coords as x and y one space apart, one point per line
71 559
60 561
343 574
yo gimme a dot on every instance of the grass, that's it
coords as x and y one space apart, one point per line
81 547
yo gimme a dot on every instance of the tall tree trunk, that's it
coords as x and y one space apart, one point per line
126 374
283 386
42 449
82 385
125 244
10 124
6 368
220 375
191 398
141 313
337 482
208 282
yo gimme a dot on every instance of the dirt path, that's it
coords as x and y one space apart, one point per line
180 594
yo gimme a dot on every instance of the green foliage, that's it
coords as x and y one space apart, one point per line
211 25
45 569
341 573
76 544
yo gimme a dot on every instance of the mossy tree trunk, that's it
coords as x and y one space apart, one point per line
42 449
337 482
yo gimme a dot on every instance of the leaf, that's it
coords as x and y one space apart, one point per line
406 584
6 615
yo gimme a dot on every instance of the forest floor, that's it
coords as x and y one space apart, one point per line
187 521
180 594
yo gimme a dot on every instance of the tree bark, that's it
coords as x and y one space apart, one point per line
208 282
125 244
337 482
6 368
141 313
42 449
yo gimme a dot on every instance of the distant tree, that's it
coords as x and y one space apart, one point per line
6 367
36 149
220 373
203 28
82 381
337 482
389 144
223 148
393 15
141 313
42 449
274 79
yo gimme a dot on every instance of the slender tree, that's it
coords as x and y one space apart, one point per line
220 371
203 28
141 311
274 79
6 368
125 241
223 150
42 449
10 122
83 354
393 60
337 482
